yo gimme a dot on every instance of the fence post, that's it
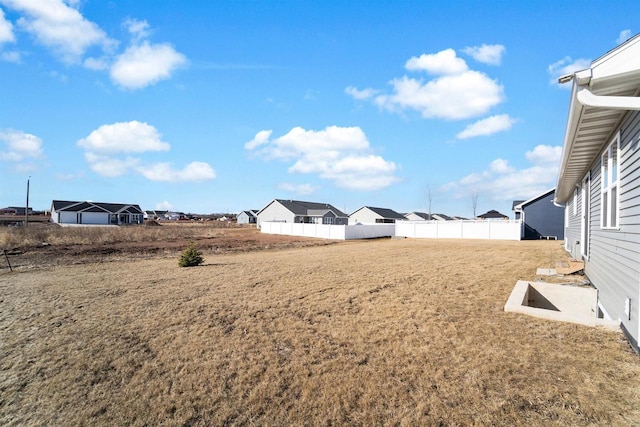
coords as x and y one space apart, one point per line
4 251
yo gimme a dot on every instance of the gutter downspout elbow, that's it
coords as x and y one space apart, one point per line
589 99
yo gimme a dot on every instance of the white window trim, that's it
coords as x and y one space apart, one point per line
612 182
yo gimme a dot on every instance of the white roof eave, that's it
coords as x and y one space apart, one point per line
593 93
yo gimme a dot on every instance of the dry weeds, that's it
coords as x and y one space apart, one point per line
385 332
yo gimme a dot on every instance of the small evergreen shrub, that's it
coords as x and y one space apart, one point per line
191 257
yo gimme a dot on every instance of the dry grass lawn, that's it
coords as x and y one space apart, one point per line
383 332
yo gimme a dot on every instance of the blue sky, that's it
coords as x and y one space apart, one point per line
223 106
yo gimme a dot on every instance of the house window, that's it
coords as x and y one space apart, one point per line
327 220
575 202
610 185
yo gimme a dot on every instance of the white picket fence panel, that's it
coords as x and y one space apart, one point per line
326 231
498 230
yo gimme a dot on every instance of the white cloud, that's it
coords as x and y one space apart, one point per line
487 54
11 57
338 154
360 94
6 30
488 126
452 97
566 66
442 63
502 182
500 166
455 93
624 36
164 206
96 64
19 146
145 64
300 189
131 137
139 30
110 166
545 155
60 27
193 172
105 146
261 138
7 36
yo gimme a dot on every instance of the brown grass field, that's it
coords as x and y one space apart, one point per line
287 331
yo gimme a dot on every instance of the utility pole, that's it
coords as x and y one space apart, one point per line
26 209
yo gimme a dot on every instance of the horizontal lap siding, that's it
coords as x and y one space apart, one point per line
276 212
614 260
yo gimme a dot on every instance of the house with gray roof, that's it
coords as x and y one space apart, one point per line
95 213
296 211
247 217
421 216
417 216
493 215
373 215
598 181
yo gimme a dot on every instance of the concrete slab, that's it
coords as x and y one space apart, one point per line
564 303
546 272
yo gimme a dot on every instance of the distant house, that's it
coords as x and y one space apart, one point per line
67 212
174 216
541 219
417 216
372 215
493 215
156 214
442 217
301 212
421 216
247 217
599 181
15 210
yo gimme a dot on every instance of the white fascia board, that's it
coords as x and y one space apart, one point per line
583 77
268 204
526 202
575 112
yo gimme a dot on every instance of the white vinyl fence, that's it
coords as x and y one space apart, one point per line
499 230
325 231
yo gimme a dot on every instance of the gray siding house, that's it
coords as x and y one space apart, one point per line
541 218
371 215
247 217
599 181
91 213
301 212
